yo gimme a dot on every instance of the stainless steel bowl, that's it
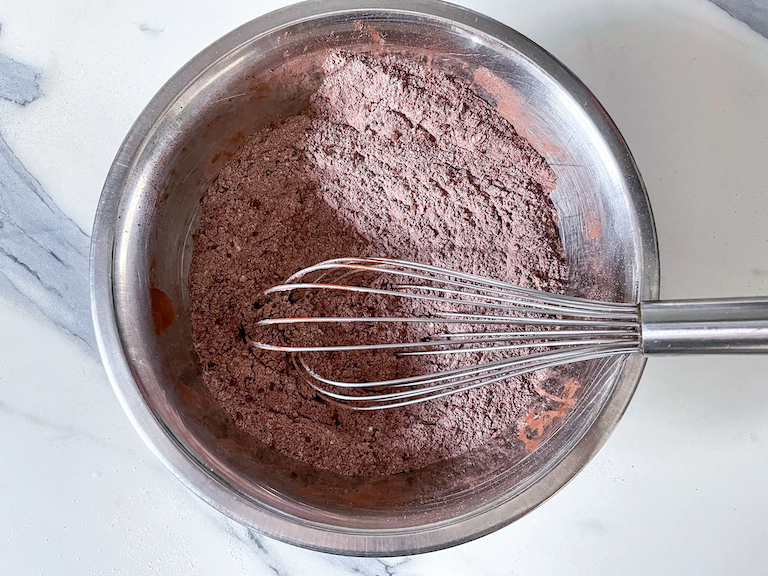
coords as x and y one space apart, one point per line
143 234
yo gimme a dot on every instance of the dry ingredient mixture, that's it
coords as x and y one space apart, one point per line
392 158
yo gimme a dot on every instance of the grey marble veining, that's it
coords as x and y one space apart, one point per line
153 31
43 254
271 556
44 266
754 13
62 429
18 83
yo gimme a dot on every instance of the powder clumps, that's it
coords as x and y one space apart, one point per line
391 159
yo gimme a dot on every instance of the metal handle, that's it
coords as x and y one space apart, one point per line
726 326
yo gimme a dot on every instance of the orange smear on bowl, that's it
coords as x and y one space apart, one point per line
532 432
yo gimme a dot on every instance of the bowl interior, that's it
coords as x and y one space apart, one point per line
257 79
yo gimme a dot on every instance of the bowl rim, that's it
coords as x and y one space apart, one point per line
415 539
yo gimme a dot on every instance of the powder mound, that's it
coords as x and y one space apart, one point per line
391 159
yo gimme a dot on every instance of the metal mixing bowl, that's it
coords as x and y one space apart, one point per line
142 240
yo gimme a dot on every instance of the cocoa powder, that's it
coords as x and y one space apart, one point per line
395 159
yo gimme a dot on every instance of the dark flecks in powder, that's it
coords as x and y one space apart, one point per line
391 159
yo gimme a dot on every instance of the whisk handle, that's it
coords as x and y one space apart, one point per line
725 326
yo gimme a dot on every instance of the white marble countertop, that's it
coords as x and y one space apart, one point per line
680 487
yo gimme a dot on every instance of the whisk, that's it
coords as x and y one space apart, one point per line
539 329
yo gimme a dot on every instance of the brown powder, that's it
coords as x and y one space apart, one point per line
391 159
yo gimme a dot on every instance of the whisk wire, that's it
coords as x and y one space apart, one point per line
562 303
430 388
567 328
402 267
